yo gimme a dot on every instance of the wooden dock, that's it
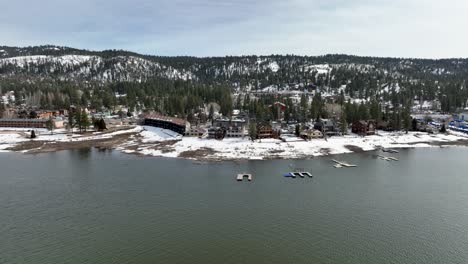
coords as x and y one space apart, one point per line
241 176
343 164
387 158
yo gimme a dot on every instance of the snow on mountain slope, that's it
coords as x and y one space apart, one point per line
120 68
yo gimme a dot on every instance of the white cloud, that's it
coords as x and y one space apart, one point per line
411 28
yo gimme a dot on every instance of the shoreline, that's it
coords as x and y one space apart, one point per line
155 142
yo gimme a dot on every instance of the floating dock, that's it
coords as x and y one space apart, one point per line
387 158
343 164
296 174
241 176
390 150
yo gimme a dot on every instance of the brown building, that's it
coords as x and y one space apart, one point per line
24 123
364 128
266 131
175 124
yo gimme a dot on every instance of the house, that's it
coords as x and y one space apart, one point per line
327 126
47 114
364 128
311 134
196 132
227 123
216 133
463 116
266 131
175 124
236 132
384 125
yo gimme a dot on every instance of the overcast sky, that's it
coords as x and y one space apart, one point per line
398 28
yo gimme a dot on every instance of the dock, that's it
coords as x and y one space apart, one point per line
343 164
387 158
390 150
296 174
241 176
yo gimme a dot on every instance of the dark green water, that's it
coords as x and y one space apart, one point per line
103 207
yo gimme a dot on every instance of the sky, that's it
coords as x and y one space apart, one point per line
384 28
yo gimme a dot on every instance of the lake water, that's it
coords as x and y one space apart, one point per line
89 206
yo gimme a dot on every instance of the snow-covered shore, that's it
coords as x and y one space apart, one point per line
240 149
158 142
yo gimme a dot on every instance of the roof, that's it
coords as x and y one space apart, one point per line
175 120
24 120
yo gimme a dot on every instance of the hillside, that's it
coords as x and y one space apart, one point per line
357 77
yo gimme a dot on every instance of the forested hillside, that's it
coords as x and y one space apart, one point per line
51 76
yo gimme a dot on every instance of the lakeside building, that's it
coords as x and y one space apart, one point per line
29 123
175 124
463 116
311 134
364 128
236 132
266 131
216 133
327 126
196 132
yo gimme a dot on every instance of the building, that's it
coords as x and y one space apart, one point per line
236 132
364 128
311 134
47 114
216 133
227 123
265 131
24 123
177 125
327 126
463 116
196 132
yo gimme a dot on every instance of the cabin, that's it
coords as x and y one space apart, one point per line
177 125
364 128
311 134
266 131
327 126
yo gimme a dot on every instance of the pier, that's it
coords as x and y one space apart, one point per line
240 177
343 164
387 158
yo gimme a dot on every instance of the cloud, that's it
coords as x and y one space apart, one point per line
398 28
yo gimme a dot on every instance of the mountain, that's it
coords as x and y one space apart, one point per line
357 77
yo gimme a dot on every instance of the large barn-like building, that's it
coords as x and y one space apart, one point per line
175 124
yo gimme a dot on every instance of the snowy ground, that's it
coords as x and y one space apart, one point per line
165 143
234 149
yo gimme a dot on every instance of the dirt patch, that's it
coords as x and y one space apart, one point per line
325 151
354 148
37 146
199 153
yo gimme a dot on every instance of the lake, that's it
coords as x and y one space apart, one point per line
91 206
